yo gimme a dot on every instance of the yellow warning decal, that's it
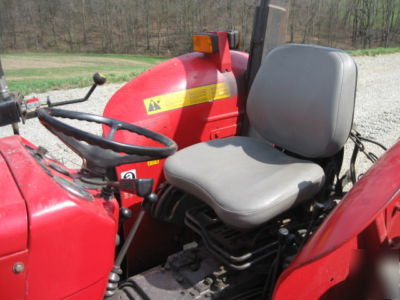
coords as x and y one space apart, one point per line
153 162
198 95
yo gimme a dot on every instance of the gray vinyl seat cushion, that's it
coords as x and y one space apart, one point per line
302 99
245 180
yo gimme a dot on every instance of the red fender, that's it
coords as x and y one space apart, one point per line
367 219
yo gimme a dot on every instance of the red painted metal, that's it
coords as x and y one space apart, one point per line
32 100
186 126
366 218
13 216
67 243
94 291
13 285
223 57
71 241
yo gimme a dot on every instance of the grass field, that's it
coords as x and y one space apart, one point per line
374 51
40 72
28 73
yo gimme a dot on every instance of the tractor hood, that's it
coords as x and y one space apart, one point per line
13 214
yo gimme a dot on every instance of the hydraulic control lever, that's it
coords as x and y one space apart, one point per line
28 107
98 79
142 188
14 108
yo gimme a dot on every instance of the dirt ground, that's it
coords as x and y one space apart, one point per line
44 62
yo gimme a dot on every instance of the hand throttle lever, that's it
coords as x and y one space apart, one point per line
98 79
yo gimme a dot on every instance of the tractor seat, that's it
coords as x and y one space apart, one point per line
302 100
245 180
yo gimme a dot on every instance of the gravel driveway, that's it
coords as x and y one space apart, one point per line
377 113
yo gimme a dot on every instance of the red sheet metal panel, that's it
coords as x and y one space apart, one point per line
13 215
366 218
13 284
71 240
189 99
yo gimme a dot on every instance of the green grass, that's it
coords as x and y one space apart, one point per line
40 72
75 70
42 85
68 71
374 51
146 59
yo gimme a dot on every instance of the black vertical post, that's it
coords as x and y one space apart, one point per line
1 69
4 92
6 96
257 41
269 31
278 17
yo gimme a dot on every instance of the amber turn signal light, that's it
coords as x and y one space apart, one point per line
205 42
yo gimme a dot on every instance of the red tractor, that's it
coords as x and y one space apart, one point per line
209 182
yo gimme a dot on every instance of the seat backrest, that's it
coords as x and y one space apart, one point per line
302 99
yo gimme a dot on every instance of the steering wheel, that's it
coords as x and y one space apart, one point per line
100 153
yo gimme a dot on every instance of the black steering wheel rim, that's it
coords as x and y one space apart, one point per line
48 117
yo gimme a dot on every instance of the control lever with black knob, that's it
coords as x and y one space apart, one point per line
138 186
98 79
14 108
124 214
143 188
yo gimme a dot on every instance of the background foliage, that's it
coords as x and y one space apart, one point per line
163 27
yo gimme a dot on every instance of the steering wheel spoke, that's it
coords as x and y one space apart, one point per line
113 130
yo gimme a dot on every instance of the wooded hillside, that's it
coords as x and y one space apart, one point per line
163 27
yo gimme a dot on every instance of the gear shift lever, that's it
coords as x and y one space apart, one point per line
141 187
